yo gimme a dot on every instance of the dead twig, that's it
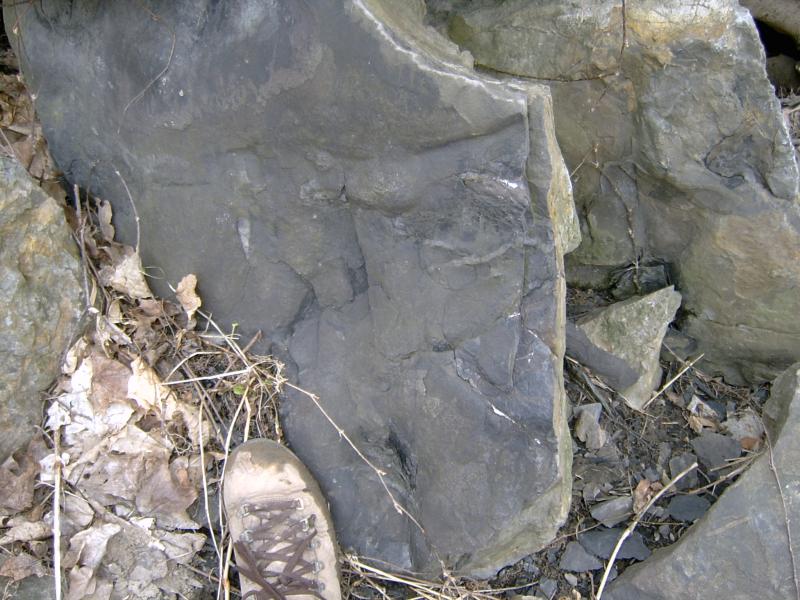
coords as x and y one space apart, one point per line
629 529
57 513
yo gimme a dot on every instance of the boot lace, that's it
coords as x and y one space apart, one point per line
275 539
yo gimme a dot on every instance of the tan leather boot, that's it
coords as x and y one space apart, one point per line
280 525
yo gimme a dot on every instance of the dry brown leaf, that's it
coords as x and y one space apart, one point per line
187 296
26 531
21 566
697 423
127 275
17 480
643 492
109 383
751 443
166 492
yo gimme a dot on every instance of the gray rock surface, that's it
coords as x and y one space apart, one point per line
41 296
740 548
393 223
678 150
632 330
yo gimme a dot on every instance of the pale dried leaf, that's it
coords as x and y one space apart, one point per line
77 511
87 548
145 387
74 356
187 295
112 471
83 585
104 214
47 466
127 276
25 532
181 547
21 566
166 491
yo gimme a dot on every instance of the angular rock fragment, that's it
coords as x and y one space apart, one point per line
678 149
577 560
588 428
633 331
714 450
601 543
612 512
740 548
42 299
687 508
392 222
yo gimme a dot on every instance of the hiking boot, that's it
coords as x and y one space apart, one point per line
279 522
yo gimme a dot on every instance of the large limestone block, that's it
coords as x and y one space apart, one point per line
678 150
392 222
41 296
740 549
633 330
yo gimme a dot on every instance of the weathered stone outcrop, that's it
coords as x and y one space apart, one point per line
42 300
390 220
678 150
740 549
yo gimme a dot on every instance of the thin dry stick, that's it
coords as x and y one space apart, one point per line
629 529
666 386
785 514
57 512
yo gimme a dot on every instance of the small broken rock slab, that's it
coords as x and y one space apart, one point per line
612 512
714 450
739 548
687 508
576 559
587 428
601 543
678 464
633 330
